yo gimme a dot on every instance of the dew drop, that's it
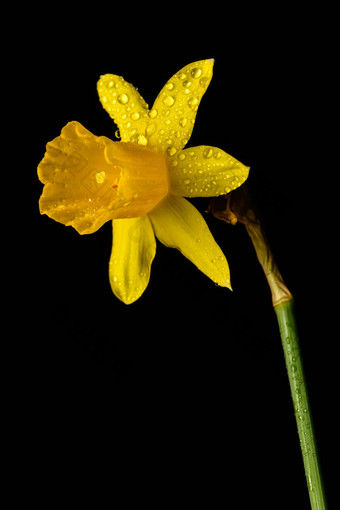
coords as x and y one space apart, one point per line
169 86
204 81
117 134
151 128
182 156
135 116
183 122
123 98
187 181
193 103
207 153
153 113
169 100
196 72
134 137
171 151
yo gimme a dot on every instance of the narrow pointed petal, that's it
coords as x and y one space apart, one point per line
133 250
173 114
205 171
125 106
178 224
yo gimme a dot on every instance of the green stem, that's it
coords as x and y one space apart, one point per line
239 208
290 342
284 308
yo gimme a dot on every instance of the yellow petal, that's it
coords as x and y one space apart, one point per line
178 224
125 106
173 114
133 250
78 180
205 171
90 180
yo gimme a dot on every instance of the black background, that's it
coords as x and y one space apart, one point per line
182 397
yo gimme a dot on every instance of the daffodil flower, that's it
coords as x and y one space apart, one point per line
139 182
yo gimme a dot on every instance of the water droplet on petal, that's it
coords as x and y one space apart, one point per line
186 181
171 151
204 81
135 116
153 113
151 128
183 122
193 103
169 100
196 72
208 152
169 86
123 98
186 83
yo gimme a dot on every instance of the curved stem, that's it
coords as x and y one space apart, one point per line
239 208
284 308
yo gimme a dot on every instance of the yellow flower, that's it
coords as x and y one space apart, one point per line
139 183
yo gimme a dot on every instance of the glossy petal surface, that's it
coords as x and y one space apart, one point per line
173 114
205 171
178 224
133 250
90 180
125 106
78 179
